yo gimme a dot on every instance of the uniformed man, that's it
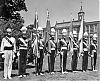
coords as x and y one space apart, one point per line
22 44
8 47
93 52
75 52
38 51
85 52
63 48
52 55
39 44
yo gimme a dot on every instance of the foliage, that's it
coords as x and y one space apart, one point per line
9 9
15 25
10 16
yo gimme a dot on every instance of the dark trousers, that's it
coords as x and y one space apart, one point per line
74 60
51 61
39 63
22 62
64 59
85 61
93 60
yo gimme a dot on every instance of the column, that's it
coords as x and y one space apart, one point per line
98 33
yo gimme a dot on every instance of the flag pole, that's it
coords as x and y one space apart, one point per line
36 40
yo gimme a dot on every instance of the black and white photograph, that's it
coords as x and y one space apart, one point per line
49 40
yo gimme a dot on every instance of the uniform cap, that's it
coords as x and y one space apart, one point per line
23 29
9 30
74 33
95 36
85 34
52 30
40 28
64 31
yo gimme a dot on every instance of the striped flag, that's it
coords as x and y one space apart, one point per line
71 35
80 38
36 32
47 32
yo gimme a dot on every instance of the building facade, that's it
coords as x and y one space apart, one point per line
90 27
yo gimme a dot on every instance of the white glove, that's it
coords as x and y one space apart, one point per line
61 53
3 56
91 55
18 53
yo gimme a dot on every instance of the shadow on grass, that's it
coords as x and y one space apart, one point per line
29 66
13 75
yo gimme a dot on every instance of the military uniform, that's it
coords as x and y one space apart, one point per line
63 48
40 56
22 44
8 47
85 52
52 55
93 52
75 55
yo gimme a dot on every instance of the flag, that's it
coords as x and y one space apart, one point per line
47 32
71 35
36 32
35 22
80 38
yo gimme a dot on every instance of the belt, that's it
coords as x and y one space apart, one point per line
8 48
85 49
40 47
63 48
52 48
74 48
22 47
94 51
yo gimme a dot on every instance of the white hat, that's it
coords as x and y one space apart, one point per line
9 30
40 28
23 29
85 34
95 36
64 31
74 32
52 30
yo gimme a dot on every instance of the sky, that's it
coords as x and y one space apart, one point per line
60 10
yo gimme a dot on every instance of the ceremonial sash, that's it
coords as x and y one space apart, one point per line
23 41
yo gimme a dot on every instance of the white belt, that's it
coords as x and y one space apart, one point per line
40 47
94 51
52 48
22 48
85 49
75 48
63 48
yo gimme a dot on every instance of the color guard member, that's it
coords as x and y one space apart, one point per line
22 44
8 47
85 52
63 48
93 52
75 52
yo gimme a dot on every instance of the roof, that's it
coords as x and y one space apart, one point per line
76 23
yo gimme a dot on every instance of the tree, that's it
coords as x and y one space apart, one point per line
10 16
9 9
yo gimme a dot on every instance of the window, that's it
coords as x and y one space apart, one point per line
60 31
